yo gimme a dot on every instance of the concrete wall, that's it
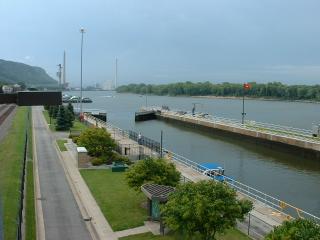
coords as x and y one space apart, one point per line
83 160
285 144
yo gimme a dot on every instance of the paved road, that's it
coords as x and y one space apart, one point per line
62 218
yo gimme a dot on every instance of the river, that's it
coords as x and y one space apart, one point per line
282 175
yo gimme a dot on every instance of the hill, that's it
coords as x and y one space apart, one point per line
15 72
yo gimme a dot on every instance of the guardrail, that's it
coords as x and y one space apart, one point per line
278 205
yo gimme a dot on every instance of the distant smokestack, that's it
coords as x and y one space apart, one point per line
64 69
116 74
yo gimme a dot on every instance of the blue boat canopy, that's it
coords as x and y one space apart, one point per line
210 165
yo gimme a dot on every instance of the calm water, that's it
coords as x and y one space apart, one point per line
292 179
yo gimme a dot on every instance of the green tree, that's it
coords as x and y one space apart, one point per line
205 208
299 229
97 141
62 123
55 110
71 110
152 170
69 118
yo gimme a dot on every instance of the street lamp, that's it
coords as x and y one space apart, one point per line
82 31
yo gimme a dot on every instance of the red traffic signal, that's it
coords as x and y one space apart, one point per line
246 86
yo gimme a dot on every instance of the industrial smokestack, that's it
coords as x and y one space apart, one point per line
64 69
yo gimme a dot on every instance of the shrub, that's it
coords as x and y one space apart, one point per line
151 170
97 161
97 141
298 229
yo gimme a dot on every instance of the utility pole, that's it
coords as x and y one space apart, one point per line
146 100
161 143
82 31
116 75
64 70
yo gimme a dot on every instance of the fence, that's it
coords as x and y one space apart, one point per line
22 192
22 184
254 227
288 210
147 142
1 220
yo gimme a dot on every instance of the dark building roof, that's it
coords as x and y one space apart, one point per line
155 191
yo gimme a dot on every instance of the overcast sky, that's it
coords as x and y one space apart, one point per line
161 41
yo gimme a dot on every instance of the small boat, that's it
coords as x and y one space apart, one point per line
214 171
74 99
86 100
65 98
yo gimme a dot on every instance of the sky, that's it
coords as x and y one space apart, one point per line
162 41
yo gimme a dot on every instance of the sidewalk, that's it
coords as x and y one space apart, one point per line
97 224
100 228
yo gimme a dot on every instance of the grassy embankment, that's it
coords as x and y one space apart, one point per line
30 200
11 159
122 206
77 125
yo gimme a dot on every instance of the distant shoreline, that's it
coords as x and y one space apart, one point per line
232 98
255 98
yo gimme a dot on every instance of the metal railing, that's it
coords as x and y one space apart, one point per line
144 141
289 211
278 205
274 129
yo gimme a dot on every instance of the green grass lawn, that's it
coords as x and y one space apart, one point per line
30 220
232 234
61 145
119 204
77 125
11 159
30 208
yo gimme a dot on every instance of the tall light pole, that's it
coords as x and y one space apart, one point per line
82 32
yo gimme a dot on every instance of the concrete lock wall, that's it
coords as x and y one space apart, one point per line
291 146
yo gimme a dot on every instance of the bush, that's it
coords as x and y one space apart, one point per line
97 141
74 139
97 161
151 170
298 229
116 157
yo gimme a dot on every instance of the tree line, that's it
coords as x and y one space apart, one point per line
272 90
